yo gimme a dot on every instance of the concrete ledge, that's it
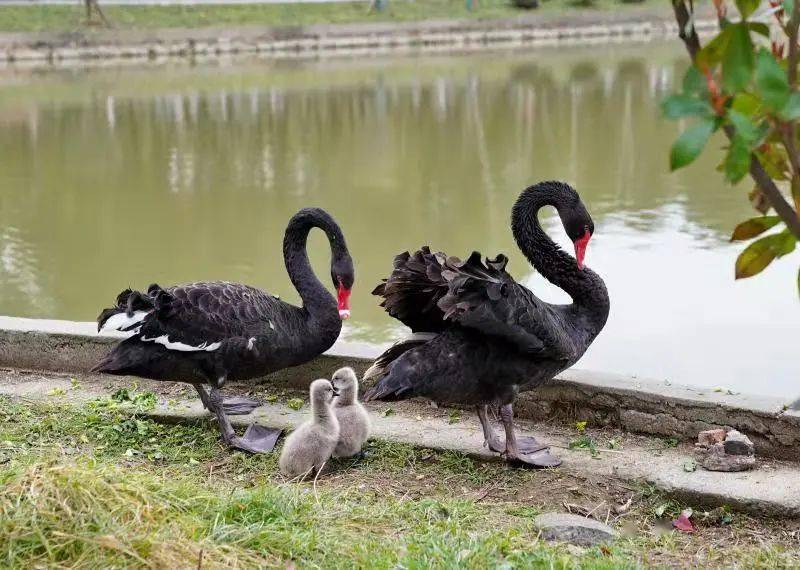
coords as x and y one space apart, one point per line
773 488
341 39
633 404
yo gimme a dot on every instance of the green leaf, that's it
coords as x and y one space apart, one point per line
753 227
791 111
754 259
759 254
691 143
759 28
788 6
713 51
783 243
747 7
771 81
737 162
746 129
773 158
738 60
677 106
694 83
746 104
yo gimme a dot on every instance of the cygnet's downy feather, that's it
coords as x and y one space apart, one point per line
354 423
309 446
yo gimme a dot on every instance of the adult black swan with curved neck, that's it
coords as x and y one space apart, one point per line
478 336
209 333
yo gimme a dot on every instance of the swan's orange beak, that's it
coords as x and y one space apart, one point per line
580 248
344 302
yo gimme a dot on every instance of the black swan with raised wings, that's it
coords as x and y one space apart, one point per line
479 337
209 333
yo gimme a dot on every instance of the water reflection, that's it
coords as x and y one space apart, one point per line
124 177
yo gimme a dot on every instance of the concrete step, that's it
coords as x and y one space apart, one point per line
773 488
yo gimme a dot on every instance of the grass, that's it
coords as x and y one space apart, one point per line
61 18
95 487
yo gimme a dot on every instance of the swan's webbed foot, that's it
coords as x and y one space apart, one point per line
526 444
239 405
540 458
524 451
257 439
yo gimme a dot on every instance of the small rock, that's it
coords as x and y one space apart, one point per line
737 443
574 529
714 458
711 436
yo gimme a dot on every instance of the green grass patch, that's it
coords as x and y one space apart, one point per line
62 18
73 494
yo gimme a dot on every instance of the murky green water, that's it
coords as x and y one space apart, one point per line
122 177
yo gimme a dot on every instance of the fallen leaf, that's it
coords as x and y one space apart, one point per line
683 524
388 412
690 465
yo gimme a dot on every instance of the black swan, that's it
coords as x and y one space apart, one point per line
478 336
208 333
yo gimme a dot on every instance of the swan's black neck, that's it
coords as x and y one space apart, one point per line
587 289
317 300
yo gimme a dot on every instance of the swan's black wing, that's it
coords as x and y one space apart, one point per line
413 290
485 298
197 316
428 292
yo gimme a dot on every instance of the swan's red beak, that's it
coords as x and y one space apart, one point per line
344 302
580 248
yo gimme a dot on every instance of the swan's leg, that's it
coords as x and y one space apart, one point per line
201 391
525 444
492 439
225 427
539 457
257 438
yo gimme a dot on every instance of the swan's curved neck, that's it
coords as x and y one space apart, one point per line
317 300
587 289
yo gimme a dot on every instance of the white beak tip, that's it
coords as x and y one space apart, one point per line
344 314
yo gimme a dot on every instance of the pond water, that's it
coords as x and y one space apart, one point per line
121 177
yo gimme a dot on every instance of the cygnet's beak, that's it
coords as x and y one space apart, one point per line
335 391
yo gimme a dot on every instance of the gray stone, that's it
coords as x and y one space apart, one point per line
574 529
737 443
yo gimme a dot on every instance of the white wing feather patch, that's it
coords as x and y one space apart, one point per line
179 346
122 322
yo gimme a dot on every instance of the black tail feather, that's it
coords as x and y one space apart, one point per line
127 301
382 364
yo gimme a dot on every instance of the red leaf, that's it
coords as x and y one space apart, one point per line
683 524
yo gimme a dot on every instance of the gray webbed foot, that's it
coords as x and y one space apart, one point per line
239 405
257 439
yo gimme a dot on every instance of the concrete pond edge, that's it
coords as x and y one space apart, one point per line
119 46
772 489
637 405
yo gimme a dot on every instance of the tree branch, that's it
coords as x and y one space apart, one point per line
688 35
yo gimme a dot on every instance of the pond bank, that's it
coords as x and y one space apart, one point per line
636 405
773 488
69 47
